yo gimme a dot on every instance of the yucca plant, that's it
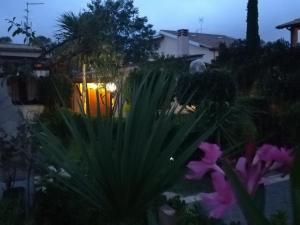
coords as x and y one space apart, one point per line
126 163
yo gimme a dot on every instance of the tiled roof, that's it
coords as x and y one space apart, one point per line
19 47
19 50
206 40
293 23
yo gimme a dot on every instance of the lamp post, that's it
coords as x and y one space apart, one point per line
111 88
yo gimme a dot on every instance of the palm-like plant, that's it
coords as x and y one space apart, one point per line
126 162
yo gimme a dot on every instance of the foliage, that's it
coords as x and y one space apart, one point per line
271 72
290 123
108 27
124 168
281 87
242 66
21 28
191 214
5 40
173 66
279 218
12 208
56 206
55 90
252 36
43 42
15 154
218 90
212 85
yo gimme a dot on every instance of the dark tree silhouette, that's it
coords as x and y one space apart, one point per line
5 40
252 36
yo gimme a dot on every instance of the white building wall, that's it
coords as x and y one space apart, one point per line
10 117
168 47
208 54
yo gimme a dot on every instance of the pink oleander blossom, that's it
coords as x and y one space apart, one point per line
267 159
252 171
221 200
250 174
197 169
274 157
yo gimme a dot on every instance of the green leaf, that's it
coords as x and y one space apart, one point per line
17 31
252 214
123 164
9 28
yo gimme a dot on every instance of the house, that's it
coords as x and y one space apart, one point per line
293 27
21 66
184 43
95 96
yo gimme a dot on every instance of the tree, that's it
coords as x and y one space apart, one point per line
106 36
109 26
42 42
5 40
252 36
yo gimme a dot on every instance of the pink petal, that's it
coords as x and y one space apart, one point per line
241 166
212 152
219 182
219 211
222 199
210 199
286 157
215 204
268 152
218 169
197 169
255 175
222 187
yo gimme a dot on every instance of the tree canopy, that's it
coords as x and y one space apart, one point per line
42 42
5 40
108 27
252 36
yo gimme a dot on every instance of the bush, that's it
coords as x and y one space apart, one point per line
55 89
12 207
290 123
55 206
212 85
191 214
172 66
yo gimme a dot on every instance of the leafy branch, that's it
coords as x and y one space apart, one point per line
21 28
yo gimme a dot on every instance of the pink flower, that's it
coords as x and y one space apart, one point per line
222 199
266 153
251 169
268 158
208 163
286 157
250 174
274 157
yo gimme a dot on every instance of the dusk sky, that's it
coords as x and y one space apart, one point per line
219 16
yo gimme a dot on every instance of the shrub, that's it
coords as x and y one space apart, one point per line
125 163
212 85
56 206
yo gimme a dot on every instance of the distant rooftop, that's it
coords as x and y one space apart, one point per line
205 40
293 23
19 50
